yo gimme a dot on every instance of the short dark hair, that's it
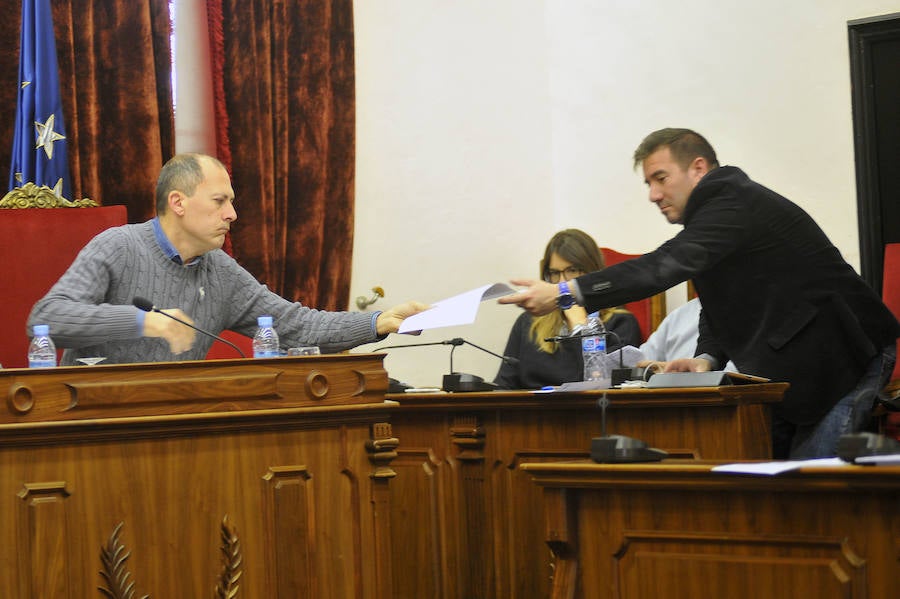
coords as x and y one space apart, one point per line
684 144
183 172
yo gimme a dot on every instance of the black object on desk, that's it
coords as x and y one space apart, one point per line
619 449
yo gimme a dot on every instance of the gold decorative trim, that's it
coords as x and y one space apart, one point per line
227 587
41 196
114 572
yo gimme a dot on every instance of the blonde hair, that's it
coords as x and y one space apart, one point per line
580 249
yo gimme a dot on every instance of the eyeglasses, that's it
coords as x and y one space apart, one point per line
555 276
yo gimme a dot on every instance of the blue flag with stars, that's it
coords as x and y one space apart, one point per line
39 147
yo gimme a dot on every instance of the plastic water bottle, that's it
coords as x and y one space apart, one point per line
593 350
41 351
265 342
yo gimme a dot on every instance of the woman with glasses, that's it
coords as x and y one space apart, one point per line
569 253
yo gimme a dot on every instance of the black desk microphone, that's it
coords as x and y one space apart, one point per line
147 306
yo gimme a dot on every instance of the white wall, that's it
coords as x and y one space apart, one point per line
486 125
194 114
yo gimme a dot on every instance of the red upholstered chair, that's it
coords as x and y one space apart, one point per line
222 351
650 311
890 294
28 273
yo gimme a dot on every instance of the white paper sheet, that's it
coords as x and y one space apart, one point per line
630 357
456 310
883 460
771 468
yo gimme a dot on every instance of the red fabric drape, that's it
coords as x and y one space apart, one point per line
217 57
115 79
288 82
289 108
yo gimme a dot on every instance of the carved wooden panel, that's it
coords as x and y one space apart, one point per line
677 530
43 543
423 528
288 510
382 450
713 565
100 391
486 521
294 472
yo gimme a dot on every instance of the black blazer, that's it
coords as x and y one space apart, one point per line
778 298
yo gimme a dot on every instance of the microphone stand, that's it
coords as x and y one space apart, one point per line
615 449
147 306
456 382
621 374
604 333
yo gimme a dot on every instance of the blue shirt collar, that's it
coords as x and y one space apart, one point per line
167 247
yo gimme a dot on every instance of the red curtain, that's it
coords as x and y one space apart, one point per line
286 115
115 79
288 86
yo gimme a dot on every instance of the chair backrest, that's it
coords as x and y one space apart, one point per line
38 245
890 287
221 351
649 311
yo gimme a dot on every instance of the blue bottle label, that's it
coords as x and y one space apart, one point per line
41 363
593 344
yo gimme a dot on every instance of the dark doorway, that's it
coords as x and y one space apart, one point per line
875 82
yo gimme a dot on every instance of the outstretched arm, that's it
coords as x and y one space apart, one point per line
539 298
389 320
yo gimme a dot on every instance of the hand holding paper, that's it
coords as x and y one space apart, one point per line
459 309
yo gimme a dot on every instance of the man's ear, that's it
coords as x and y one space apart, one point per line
698 168
176 199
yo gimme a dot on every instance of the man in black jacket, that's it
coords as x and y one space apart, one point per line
778 298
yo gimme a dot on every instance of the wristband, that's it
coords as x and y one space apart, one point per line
565 299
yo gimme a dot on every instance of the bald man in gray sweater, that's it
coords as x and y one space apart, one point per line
176 260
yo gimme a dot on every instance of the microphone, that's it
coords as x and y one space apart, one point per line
458 381
147 306
455 341
620 449
459 341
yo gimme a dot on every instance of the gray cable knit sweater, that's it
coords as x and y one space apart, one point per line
90 312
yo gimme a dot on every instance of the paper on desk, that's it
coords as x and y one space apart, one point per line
883 460
770 468
630 357
459 309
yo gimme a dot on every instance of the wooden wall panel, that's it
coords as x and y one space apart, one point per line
297 480
677 530
485 534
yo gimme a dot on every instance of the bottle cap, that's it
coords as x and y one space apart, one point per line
41 329
264 321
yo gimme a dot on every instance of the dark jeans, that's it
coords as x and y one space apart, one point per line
851 414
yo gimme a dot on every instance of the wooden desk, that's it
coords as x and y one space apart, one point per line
466 519
294 451
677 530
